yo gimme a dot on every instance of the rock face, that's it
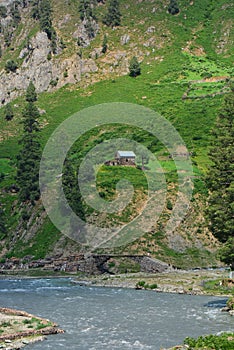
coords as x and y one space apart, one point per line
49 71
44 72
81 33
152 265
90 264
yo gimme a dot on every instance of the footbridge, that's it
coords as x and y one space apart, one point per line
96 263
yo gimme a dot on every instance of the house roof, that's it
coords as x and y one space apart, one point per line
126 154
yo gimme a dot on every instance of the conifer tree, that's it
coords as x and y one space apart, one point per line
28 159
31 95
134 67
87 16
3 11
2 223
113 16
173 7
8 112
15 14
104 44
85 10
227 253
45 17
35 9
71 189
220 178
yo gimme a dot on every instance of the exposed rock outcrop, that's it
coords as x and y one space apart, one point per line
44 72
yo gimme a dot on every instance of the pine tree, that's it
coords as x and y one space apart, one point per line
28 159
35 9
15 14
31 95
3 11
104 44
113 16
2 224
227 253
45 13
71 189
8 112
87 16
85 10
134 67
220 178
173 7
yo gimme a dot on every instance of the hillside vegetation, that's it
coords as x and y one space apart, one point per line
186 69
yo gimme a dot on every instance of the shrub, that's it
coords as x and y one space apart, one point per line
54 82
169 205
3 11
144 285
11 66
222 342
230 303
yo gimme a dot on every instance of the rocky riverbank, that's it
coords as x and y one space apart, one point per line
19 328
200 282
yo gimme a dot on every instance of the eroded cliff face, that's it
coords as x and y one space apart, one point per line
45 73
50 70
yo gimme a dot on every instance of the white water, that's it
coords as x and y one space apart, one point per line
107 318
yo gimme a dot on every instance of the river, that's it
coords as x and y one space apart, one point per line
96 318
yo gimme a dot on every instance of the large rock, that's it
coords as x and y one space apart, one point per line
42 71
35 67
153 265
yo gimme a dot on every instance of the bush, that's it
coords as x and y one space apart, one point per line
11 66
54 82
3 11
223 342
169 205
144 285
230 303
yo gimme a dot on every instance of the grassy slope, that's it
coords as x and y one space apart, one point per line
178 40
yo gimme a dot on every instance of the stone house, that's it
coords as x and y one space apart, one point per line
127 158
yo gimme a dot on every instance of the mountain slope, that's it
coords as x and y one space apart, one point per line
186 64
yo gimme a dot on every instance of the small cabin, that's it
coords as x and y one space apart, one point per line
125 158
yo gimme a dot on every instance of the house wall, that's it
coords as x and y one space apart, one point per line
126 161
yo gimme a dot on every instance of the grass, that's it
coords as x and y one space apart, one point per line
218 286
5 166
39 245
168 71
